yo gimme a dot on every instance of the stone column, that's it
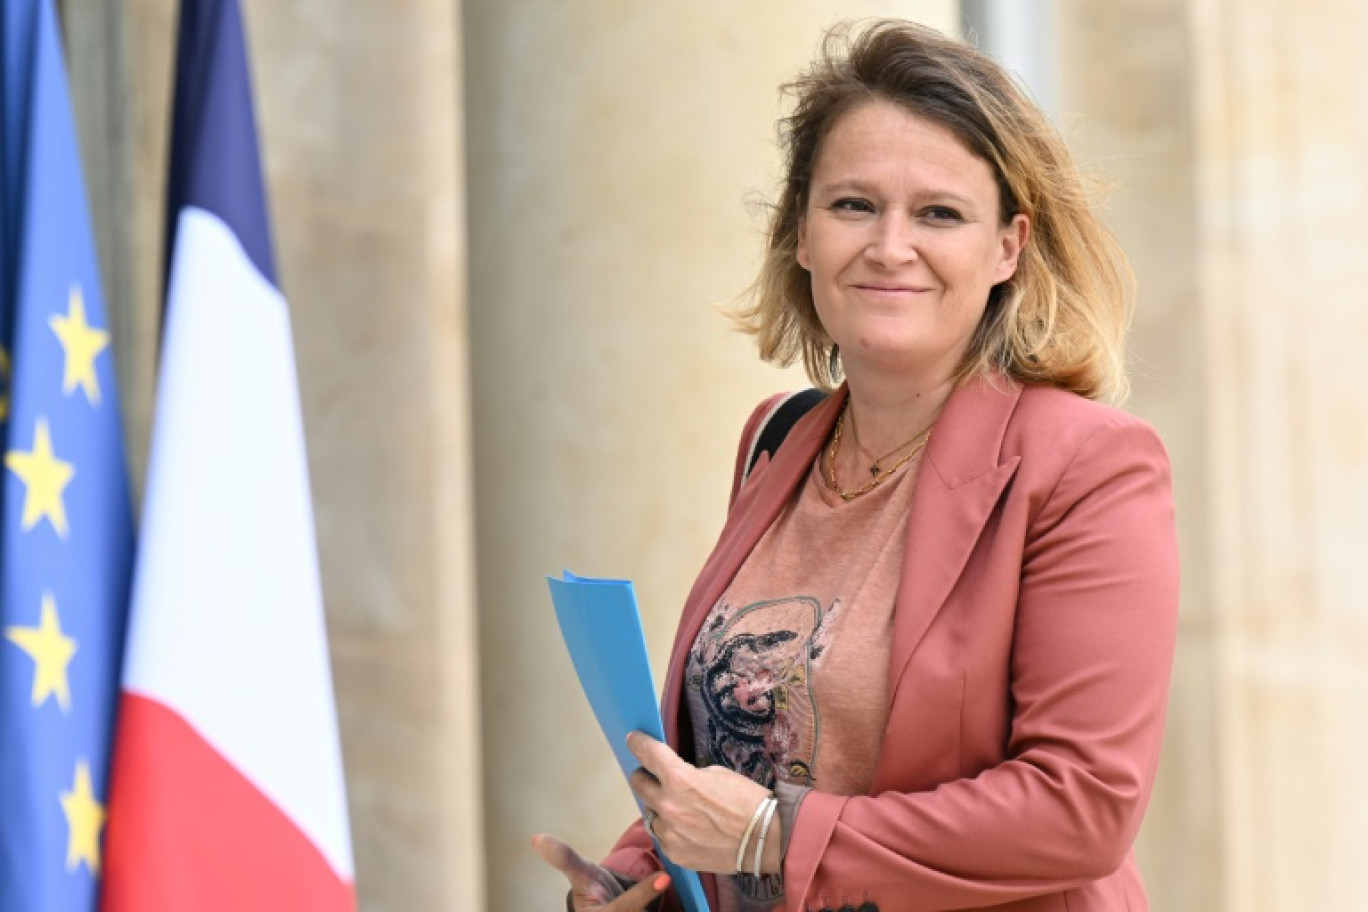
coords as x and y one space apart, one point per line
1281 127
1127 107
361 118
360 114
617 155
1236 134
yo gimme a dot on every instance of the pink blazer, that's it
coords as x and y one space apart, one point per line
1028 675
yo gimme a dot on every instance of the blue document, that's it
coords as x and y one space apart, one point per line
602 629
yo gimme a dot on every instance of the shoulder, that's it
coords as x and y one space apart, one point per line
1047 409
1069 445
1054 421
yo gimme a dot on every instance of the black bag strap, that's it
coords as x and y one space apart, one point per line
780 421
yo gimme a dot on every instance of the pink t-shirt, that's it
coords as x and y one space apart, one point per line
788 678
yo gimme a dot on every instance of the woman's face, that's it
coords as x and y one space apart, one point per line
903 240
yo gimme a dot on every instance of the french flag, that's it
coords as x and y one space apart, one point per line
227 789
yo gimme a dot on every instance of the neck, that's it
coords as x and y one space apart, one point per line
890 410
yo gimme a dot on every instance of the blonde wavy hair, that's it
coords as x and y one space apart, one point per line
1062 317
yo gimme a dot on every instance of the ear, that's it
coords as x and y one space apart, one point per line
802 241
1013 240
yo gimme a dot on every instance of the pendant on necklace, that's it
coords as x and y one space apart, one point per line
874 470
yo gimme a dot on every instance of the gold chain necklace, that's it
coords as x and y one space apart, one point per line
919 443
876 461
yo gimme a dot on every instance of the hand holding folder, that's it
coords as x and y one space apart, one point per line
602 629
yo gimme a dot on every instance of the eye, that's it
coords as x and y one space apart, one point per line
941 214
851 204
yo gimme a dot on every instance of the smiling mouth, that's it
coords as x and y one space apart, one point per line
892 289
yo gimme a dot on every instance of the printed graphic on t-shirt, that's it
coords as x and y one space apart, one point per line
752 667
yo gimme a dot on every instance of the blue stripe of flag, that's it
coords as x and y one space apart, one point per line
214 160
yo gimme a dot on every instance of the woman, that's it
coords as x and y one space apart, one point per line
926 666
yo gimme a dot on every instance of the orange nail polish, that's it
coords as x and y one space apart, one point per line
661 882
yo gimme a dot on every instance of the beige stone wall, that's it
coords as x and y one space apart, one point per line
613 150
1127 107
1237 134
1282 139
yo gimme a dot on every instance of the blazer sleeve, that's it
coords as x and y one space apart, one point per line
1095 628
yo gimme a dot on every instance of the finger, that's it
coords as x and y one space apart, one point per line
581 873
641 895
656 756
646 787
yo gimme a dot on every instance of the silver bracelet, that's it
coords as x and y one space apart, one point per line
771 805
741 849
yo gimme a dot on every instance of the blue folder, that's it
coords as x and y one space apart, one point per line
602 629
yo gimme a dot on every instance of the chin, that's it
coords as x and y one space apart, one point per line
893 360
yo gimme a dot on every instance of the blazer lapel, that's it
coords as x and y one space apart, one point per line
758 504
959 484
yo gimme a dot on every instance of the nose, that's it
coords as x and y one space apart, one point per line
894 240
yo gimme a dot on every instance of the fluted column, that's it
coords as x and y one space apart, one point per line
617 153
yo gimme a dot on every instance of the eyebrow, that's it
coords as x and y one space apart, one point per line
860 186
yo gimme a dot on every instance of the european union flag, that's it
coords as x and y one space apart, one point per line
66 536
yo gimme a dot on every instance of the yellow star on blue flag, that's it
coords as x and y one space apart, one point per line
81 344
66 532
44 477
51 651
85 818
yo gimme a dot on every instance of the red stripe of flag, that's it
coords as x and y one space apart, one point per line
220 845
